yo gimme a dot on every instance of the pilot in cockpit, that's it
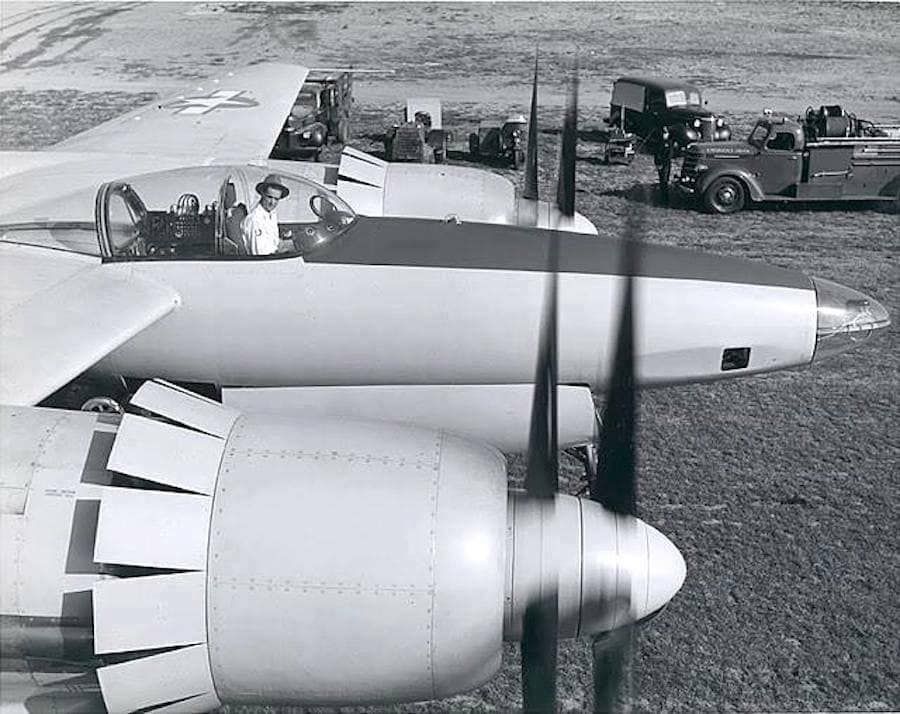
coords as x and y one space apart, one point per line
260 228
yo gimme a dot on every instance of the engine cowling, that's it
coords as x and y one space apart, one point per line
354 562
316 561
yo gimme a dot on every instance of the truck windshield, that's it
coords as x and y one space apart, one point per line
682 97
305 104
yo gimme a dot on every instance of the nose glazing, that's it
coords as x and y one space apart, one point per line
844 318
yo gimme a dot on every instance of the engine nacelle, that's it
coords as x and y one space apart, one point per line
309 561
378 188
354 562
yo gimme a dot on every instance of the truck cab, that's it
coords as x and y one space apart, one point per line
788 160
779 157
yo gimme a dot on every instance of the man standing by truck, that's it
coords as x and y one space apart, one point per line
662 157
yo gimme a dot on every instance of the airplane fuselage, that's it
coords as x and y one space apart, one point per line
418 302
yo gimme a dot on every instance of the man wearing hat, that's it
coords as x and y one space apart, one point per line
260 228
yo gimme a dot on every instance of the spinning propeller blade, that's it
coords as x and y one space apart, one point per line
615 486
565 189
611 652
530 190
540 625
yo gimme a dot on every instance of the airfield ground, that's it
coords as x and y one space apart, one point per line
780 490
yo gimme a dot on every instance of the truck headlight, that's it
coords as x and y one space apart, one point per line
696 123
306 134
720 122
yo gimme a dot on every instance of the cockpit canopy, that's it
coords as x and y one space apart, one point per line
196 214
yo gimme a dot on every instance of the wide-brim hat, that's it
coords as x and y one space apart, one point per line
272 181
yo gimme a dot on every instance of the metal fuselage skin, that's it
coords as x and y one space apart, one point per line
407 301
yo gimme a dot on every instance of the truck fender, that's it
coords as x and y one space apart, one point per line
754 190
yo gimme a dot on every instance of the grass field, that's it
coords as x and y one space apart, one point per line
780 490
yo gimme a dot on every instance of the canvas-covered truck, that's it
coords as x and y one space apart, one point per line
824 156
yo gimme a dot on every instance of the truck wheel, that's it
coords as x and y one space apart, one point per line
725 195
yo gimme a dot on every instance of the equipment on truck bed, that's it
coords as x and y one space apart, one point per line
831 121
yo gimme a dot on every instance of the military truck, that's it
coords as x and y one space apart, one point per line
321 112
827 155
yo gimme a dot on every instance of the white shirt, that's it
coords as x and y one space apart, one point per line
260 231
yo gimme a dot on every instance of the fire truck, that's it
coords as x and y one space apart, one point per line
826 155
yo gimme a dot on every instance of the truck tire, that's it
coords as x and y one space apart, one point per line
725 195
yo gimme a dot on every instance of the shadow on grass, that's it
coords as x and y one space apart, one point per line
649 194
646 193
821 207
600 161
481 161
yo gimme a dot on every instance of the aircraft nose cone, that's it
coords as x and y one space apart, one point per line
844 318
662 574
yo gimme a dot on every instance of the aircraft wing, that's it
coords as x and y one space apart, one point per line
237 117
61 312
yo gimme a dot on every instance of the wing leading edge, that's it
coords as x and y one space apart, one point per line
238 116
61 313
